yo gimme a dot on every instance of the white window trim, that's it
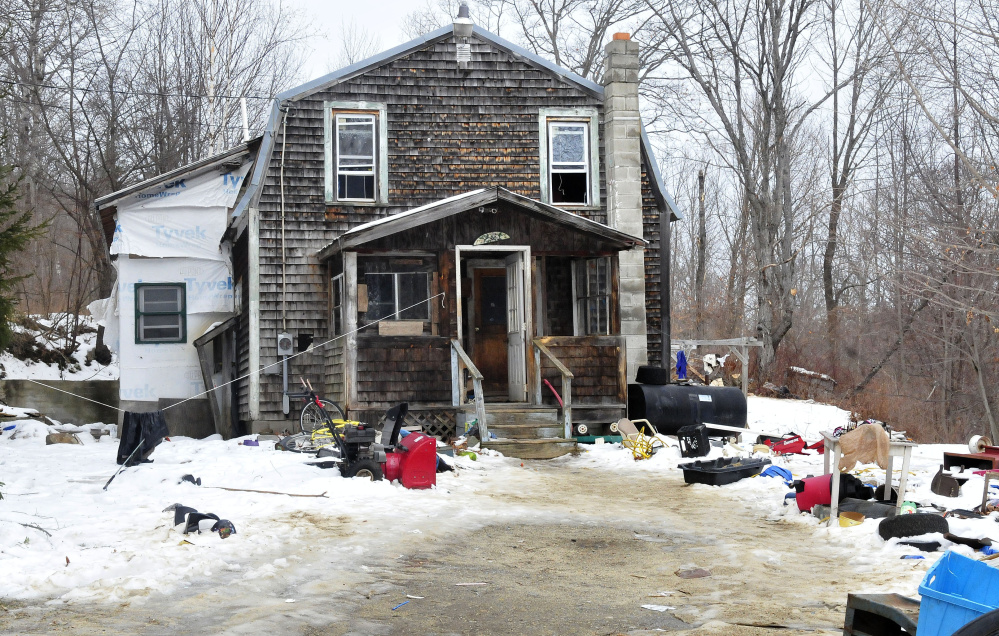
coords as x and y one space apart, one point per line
588 115
381 150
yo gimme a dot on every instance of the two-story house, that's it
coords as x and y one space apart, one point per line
455 223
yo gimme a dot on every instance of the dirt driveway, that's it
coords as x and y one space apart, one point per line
579 551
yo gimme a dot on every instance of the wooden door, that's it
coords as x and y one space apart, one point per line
489 349
516 328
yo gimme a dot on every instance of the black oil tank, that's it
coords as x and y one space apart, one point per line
670 407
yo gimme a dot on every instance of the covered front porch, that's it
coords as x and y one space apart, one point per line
487 306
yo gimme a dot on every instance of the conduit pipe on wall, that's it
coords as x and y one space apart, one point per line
285 404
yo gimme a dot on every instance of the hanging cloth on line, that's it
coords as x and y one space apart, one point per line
681 365
147 429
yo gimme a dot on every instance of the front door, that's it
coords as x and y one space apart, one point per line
489 351
516 327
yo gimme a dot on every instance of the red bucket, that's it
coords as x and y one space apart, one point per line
816 491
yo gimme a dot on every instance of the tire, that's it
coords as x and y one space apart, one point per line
298 443
312 418
985 625
366 469
912 525
647 374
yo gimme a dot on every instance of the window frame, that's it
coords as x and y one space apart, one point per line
337 318
396 304
396 264
368 120
581 296
589 116
379 112
182 312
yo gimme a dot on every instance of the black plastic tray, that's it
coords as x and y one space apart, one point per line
724 470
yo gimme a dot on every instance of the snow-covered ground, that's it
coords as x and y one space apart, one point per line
48 338
63 537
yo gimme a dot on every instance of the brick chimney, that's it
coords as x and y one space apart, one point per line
623 161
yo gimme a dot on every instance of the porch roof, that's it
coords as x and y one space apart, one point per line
450 206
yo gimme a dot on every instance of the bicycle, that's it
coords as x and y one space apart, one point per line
321 425
316 411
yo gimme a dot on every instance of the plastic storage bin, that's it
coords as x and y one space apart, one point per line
956 591
724 470
693 441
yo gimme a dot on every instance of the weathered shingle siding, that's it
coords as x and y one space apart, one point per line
449 131
650 229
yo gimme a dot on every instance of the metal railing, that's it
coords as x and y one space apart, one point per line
460 359
567 376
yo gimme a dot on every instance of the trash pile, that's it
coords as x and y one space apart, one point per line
936 505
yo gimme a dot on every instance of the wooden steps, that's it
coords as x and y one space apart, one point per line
527 431
532 448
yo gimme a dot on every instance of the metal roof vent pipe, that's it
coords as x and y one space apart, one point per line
463 26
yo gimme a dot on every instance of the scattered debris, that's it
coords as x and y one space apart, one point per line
191 520
265 492
867 444
399 605
693 573
62 438
190 479
659 608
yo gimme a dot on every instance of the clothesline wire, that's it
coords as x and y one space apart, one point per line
261 369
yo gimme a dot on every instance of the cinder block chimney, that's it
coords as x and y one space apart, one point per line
623 161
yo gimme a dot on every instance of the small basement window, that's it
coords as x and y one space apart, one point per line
160 313
592 291
569 162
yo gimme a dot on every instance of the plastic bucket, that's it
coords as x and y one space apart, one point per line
817 490
956 591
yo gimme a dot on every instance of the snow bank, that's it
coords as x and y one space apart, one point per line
20 369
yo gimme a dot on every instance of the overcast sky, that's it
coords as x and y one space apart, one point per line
381 18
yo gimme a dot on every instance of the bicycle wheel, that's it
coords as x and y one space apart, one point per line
298 443
312 418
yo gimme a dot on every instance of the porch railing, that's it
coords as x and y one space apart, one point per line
567 376
460 359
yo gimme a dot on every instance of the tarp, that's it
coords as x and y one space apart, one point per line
183 218
209 283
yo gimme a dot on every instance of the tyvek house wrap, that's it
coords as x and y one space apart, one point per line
170 234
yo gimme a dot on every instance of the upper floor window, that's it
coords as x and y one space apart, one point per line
569 162
160 313
356 149
570 167
355 157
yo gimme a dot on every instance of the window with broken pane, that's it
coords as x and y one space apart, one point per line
569 162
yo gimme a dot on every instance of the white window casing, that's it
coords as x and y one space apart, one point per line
351 162
569 145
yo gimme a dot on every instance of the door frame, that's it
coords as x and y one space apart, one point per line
528 295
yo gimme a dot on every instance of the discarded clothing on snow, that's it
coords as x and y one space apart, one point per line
191 519
145 429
